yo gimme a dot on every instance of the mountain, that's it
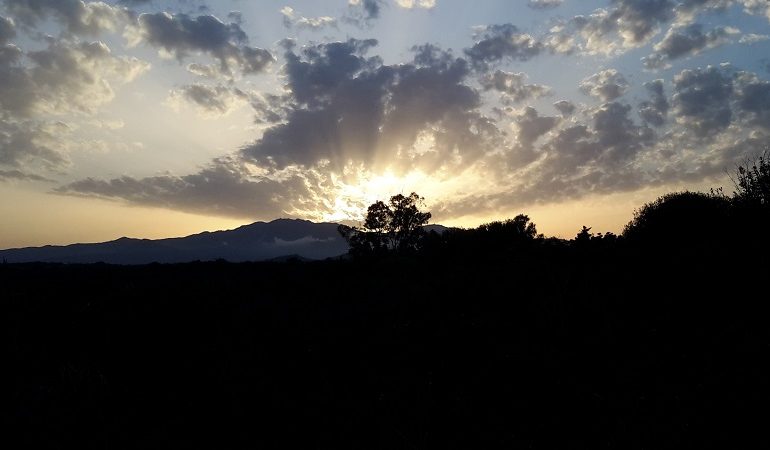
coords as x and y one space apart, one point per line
283 239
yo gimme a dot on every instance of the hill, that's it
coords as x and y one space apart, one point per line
258 241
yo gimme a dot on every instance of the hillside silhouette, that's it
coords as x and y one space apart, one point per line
493 337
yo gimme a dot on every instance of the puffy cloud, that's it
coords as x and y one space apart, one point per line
687 41
532 126
363 12
566 108
654 111
30 144
291 19
605 85
753 99
63 77
626 24
701 100
513 86
409 4
758 7
77 16
179 35
60 79
498 42
544 4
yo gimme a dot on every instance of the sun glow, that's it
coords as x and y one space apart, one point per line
353 199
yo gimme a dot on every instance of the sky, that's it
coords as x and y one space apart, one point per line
151 118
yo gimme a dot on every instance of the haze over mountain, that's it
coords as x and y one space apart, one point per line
258 241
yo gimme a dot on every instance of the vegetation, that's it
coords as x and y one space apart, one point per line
396 227
493 337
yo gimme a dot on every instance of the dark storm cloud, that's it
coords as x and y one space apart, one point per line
701 100
77 17
687 41
654 110
544 4
513 86
181 34
605 85
224 188
503 42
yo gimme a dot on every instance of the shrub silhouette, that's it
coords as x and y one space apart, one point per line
682 219
752 183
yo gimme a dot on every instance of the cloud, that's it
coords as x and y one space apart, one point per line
78 17
7 30
64 77
605 85
179 35
211 101
344 114
498 42
655 110
18 175
225 188
566 108
626 24
701 100
59 80
513 86
544 4
290 19
687 41
363 12
753 38
757 7
753 100
30 144
411 4
532 126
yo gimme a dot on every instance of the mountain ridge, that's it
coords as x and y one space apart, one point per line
258 241
277 240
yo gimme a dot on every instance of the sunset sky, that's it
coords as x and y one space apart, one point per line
150 118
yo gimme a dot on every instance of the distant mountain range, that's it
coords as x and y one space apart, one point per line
260 241
279 240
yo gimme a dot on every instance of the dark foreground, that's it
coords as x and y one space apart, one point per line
564 350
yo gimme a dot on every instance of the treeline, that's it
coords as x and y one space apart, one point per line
680 221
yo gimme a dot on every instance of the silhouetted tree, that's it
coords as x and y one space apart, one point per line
395 226
682 219
584 235
752 182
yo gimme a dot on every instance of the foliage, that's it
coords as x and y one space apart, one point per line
392 227
752 182
682 218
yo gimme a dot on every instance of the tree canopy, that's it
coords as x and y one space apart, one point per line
395 226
